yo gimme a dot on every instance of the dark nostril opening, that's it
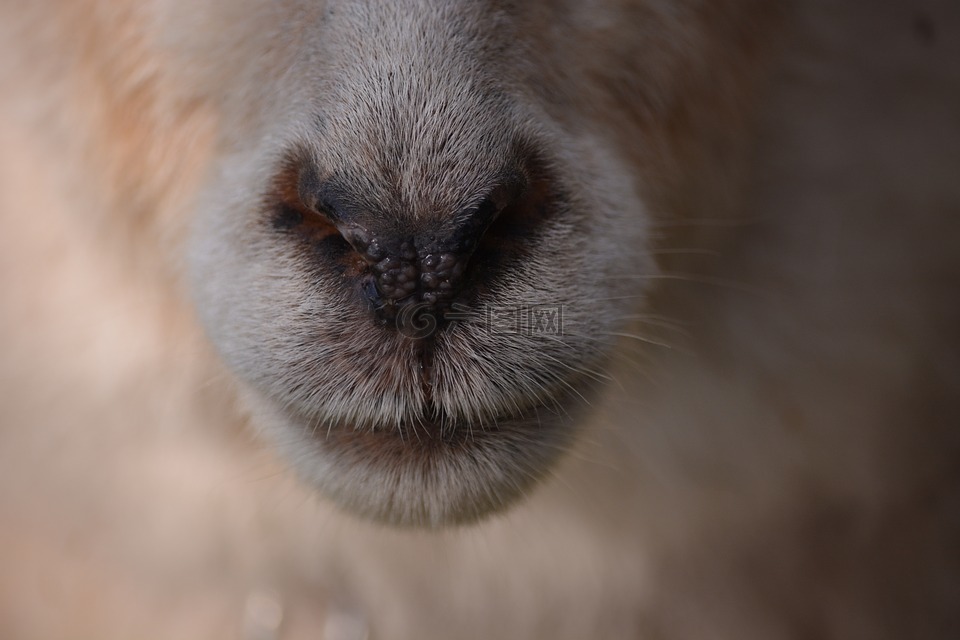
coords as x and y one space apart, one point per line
472 224
286 217
409 271
300 203
323 198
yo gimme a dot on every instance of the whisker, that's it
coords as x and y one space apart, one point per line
640 338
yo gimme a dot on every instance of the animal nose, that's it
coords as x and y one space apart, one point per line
418 268
426 270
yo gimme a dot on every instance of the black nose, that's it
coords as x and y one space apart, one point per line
414 269
426 269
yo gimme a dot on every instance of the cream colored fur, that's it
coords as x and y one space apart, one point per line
762 265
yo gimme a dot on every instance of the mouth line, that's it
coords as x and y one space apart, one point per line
434 476
428 421
432 470
451 431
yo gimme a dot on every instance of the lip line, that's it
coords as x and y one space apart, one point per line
406 477
459 430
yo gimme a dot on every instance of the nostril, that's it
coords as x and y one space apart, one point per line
321 197
300 205
291 216
364 243
391 260
471 224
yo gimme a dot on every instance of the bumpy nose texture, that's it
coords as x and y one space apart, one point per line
439 276
419 269
404 273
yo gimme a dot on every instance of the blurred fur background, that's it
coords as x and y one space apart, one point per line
787 468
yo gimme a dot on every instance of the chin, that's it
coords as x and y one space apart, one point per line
424 473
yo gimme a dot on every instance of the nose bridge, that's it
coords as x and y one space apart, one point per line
417 160
427 115
441 158
425 127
